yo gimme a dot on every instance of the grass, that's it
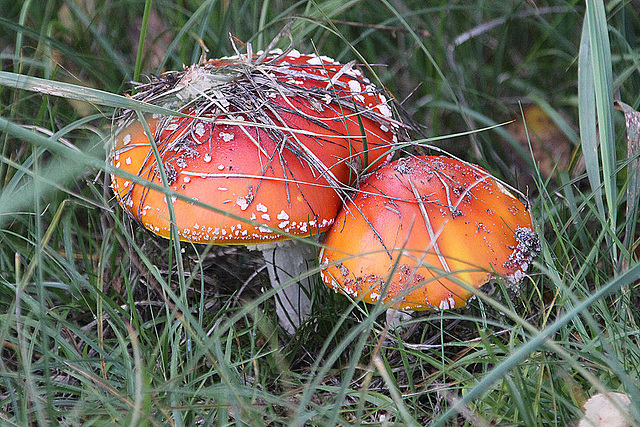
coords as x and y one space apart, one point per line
102 324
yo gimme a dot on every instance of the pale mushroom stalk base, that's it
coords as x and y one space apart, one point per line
288 264
397 319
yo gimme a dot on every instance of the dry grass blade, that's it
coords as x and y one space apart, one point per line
434 236
632 119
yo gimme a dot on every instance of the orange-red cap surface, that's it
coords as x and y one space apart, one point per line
421 225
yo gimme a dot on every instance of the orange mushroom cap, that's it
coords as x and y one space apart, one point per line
420 226
270 140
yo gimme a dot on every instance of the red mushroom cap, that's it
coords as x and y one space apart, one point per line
424 224
270 142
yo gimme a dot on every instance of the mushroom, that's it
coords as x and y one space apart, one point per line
422 231
268 141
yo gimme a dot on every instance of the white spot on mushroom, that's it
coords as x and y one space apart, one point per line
261 208
384 110
226 136
174 199
447 303
355 86
282 215
266 216
303 227
314 60
374 296
283 224
207 157
128 160
350 291
222 188
323 275
220 167
294 53
516 277
326 222
126 139
118 164
199 128
187 179
126 184
242 202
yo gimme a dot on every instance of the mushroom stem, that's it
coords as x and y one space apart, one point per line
288 263
397 318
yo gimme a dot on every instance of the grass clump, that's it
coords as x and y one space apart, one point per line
104 324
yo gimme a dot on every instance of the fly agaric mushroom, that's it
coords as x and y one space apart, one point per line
421 226
270 138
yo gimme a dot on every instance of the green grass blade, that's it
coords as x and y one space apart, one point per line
587 113
596 22
141 42
632 120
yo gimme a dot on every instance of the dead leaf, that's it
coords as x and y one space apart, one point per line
551 148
